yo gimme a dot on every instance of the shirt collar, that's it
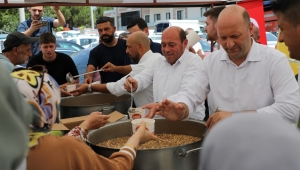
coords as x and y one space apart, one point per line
253 55
181 58
145 56
4 57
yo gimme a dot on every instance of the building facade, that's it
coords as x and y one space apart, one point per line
123 15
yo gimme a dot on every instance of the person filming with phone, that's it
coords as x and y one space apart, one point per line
37 24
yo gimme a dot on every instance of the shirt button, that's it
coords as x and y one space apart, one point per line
236 98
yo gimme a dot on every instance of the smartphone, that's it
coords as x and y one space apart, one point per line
44 22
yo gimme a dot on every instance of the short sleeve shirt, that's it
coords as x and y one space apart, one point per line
25 25
58 69
102 54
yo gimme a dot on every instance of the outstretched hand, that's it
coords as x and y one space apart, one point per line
172 111
109 67
81 89
153 108
95 120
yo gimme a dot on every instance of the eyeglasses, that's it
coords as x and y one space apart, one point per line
38 68
103 19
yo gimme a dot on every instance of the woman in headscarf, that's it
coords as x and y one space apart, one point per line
42 93
251 142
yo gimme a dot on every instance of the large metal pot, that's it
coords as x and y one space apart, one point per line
86 104
172 158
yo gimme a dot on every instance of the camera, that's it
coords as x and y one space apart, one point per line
44 22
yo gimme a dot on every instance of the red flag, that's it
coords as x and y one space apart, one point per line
255 9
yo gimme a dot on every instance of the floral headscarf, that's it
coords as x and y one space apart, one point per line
42 92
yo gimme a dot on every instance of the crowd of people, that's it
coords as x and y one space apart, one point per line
253 97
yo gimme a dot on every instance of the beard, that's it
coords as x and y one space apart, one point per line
108 38
134 58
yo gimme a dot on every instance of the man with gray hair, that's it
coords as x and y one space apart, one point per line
17 49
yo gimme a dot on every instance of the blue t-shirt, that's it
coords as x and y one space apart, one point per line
25 25
102 54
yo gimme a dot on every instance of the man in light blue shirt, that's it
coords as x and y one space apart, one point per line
17 49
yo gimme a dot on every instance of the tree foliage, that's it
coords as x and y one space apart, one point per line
75 16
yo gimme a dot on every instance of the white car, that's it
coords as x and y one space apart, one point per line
271 39
156 38
84 41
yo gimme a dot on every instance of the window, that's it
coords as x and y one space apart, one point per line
156 17
126 17
180 14
147 18
168 15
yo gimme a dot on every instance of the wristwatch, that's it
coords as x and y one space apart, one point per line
89 90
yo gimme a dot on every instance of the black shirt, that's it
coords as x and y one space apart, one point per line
155 47
58 69
102 54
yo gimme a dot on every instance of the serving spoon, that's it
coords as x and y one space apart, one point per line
130 108
70 78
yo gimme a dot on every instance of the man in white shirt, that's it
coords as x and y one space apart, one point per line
138 49
243 76
168 74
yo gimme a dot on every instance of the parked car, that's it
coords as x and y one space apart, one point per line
84 40
66 34
67 51
155 38
271 39
80 59
93 44
2 39
205 46
68 45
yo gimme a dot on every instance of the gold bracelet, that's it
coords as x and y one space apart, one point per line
131 146
83 127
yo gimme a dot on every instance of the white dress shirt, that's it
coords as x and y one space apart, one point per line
263 82
143 97
167 79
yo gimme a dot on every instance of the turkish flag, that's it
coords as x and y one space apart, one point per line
255 9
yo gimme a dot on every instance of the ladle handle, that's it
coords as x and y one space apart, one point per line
87 73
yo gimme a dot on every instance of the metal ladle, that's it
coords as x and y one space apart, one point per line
70 78
130 108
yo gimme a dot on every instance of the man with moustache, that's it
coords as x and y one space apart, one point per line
16 50
111 50
58 64
170 73
243 77
138 49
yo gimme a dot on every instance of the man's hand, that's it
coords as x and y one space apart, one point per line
109 67
63 92
81 89
88 80
152 107
130 82
192 50
35 25
172 111
216 117
55 8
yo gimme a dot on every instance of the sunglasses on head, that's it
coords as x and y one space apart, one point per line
38 68
103 19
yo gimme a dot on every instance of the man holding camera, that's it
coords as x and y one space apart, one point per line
36 24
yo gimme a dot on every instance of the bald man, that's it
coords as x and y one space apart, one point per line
243 77
170 73
138 49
